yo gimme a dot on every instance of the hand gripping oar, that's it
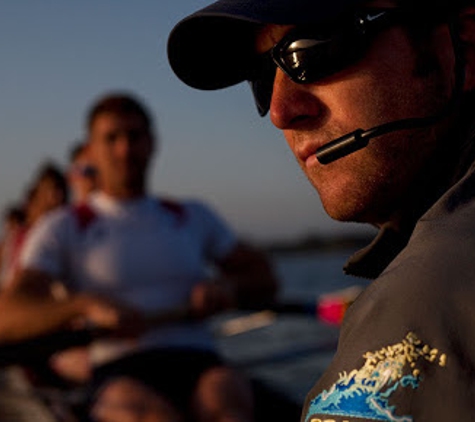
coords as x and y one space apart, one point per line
328 308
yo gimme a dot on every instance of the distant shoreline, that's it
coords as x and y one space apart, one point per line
319 243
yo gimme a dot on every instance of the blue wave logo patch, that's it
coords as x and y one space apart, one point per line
366 393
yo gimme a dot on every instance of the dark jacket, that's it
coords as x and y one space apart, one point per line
407 344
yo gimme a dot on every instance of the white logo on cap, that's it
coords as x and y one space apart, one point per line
374 17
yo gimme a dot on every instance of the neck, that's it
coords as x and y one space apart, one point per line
125 188
124 194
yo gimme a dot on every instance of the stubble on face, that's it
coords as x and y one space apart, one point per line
372 184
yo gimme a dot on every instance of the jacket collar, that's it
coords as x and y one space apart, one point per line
392 238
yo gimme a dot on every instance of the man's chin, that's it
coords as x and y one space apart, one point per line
347 212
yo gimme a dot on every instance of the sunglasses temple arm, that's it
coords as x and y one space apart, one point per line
360 138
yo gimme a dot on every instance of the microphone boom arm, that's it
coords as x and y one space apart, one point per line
354 141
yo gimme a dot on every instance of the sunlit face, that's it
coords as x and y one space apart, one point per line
49 195
121 147
369 185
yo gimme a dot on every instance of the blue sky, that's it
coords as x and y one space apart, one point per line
57 56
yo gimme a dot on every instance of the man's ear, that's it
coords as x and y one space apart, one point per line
467 37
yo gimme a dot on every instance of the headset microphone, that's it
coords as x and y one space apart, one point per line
360 138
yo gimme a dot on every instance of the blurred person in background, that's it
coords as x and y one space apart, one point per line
13 222
81 174
47 191
73 367
125 255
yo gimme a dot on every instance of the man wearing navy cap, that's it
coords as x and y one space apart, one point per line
376 100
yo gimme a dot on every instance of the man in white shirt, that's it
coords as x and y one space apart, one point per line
125 255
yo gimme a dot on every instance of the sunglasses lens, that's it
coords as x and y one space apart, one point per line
304 59
85 170
309 60
262 84
89 171
307 56
262 91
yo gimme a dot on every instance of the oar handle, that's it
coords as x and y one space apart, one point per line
327 308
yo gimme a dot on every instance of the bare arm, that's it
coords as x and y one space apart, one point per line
30 308
245 280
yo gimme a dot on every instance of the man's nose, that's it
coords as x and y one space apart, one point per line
291 103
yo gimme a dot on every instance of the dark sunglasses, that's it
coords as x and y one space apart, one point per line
308 54
85 170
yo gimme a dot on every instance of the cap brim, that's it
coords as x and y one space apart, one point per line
212 48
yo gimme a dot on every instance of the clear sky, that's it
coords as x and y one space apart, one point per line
57 56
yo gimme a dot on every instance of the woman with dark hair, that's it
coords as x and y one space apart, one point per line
47 191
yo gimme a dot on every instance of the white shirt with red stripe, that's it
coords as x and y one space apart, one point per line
146 253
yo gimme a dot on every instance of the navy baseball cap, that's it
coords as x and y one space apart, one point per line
212 48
